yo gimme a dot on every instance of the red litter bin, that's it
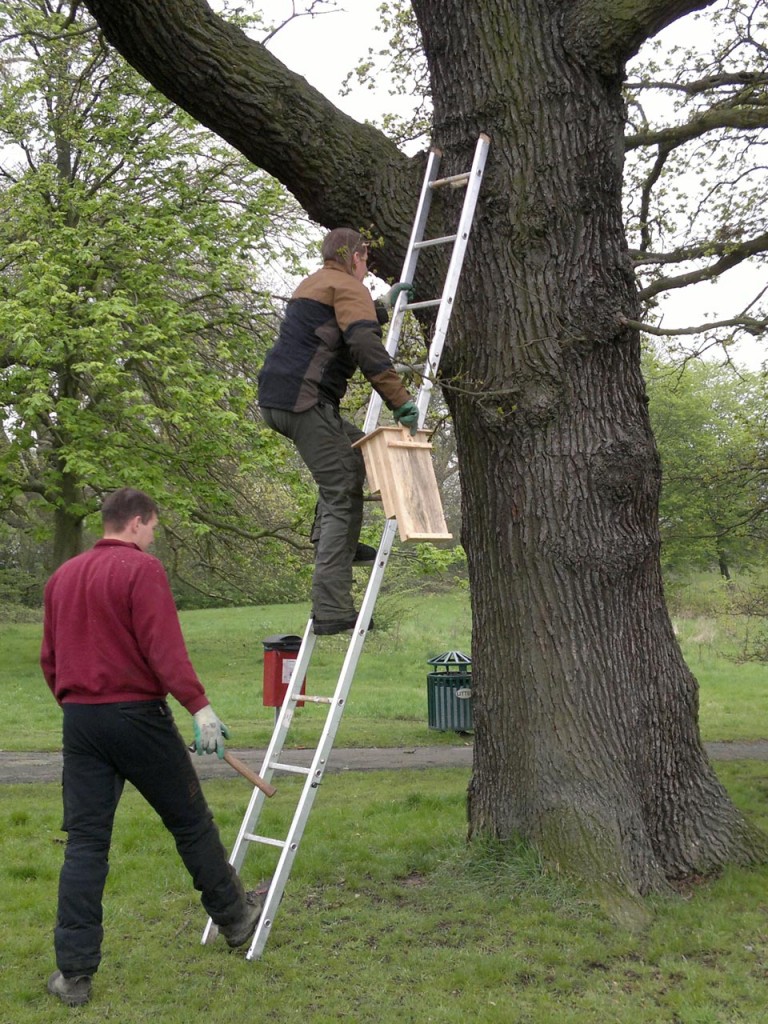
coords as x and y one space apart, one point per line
279 658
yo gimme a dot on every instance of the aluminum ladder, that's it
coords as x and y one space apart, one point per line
313 775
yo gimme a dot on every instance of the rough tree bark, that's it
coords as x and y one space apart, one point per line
586 738
67 525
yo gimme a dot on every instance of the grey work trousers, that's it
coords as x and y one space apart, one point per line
323 440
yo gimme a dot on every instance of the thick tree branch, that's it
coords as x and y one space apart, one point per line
743 323
696 251
742 117
753 79
604 34
338 169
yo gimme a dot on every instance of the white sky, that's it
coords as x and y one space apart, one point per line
326 47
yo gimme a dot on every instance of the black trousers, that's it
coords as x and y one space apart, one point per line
105 744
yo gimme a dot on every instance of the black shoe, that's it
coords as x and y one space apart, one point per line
238 933
71 991
364 555
327 627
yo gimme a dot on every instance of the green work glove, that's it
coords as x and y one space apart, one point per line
407 416
390 298
210 732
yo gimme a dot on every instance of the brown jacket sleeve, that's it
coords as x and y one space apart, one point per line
358 322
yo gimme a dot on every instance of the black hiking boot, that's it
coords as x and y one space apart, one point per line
241 930
364 555
327 627
71 991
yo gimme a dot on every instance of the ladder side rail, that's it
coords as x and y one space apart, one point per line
338 702
276 743
324 747
409 269
239 850
422 213
282 872
474 181
354 650
277 740
452 276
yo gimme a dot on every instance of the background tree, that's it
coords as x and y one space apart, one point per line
586 728
132 314
710 425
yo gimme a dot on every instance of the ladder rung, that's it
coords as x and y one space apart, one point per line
423 305
311 700
454 179
435 241
266 840
297 769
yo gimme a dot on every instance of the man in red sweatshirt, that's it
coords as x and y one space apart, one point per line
112 651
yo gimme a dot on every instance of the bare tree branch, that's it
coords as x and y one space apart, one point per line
753 79
697 251
646 194
311 12
748 324
742 117
732 257
279 533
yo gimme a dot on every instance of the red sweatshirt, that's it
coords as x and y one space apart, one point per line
112 632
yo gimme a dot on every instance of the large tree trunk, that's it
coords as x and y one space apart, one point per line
587 740
586 726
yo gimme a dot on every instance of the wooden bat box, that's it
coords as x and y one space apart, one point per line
399 467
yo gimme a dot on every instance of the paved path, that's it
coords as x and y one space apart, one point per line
46 767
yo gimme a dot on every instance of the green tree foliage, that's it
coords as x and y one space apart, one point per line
131 318
711 426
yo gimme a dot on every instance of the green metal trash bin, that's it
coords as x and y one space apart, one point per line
449 693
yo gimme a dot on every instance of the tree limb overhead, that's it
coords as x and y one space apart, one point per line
605 35
238 89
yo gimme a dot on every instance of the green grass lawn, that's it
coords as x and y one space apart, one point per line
388 918
388 701
387 706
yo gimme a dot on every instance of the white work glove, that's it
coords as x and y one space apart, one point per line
210 732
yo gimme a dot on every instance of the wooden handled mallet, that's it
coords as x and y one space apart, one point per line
242 768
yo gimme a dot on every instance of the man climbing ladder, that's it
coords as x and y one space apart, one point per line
331 328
